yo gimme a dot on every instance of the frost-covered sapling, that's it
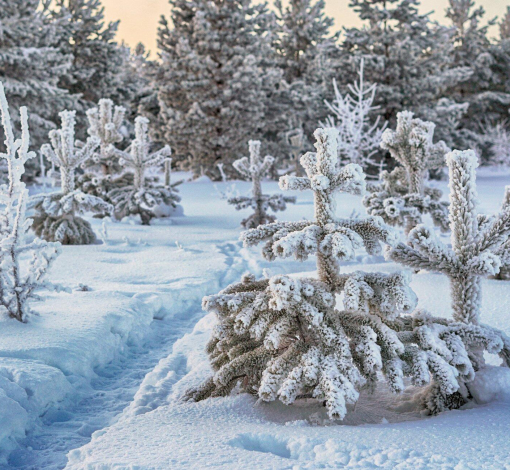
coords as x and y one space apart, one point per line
102 172
142 197
403 197
24 266
254 169
359 137
476 241
284 338
56 214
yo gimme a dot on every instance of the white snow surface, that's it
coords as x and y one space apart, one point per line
81 385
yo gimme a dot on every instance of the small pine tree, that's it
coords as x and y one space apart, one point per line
358 137
255 168
56 213
283 337
141 197
19 278
476 241
102 172
403 197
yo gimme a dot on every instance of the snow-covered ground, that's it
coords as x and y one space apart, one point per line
87 368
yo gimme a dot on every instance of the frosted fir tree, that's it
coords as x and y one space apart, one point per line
56 214
359 134
304 47
485 92
99 62
143 198
403 197
211 99
476 241
284 338
31 66
24 265
254 169
103 172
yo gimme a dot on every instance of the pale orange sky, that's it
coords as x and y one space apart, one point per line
139 18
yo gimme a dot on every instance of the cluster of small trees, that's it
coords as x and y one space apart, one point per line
287 338
114 181
282 337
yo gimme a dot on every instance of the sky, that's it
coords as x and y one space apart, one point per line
139 18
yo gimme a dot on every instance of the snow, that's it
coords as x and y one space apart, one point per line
95 380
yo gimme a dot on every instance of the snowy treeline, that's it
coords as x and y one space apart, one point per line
62 55
276 69
452 74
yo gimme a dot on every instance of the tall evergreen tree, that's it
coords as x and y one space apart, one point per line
210 82
101 66
408 56
31 66
305 48
486 91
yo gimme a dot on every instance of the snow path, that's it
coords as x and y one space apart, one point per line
62 430
164 270
110 393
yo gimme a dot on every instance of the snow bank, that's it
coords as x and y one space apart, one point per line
159 431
